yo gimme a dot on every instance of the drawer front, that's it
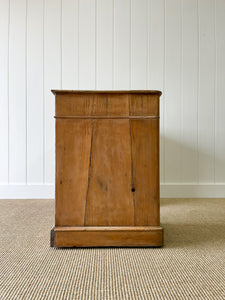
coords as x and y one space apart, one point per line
107 105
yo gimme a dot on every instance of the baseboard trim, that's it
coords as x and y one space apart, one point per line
167 190
205 190
27 191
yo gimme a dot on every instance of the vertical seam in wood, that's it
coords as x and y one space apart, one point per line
107 105
89 168
132 177
106 203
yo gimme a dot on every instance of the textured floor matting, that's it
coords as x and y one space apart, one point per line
190 266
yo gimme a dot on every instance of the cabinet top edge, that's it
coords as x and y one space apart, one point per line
149 92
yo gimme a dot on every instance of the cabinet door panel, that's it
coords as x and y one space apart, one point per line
145 162
73 143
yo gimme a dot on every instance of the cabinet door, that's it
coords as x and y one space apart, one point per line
73 144
145 169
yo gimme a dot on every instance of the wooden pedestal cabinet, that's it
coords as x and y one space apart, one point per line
107 169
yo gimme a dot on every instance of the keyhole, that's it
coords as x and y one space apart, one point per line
133 190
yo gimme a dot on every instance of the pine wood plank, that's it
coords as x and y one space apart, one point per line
73 142
145 161
110 200
126 236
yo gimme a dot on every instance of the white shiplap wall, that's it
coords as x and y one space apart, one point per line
177 46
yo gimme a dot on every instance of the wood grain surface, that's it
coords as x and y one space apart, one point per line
73 142
103 104
127 236
110 199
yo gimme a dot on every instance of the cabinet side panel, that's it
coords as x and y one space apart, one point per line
73 143
145 162
110 199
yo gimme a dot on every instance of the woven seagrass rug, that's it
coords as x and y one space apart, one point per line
191 265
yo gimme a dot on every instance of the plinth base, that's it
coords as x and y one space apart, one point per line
110 236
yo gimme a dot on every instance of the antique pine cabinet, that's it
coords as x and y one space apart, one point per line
107 169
